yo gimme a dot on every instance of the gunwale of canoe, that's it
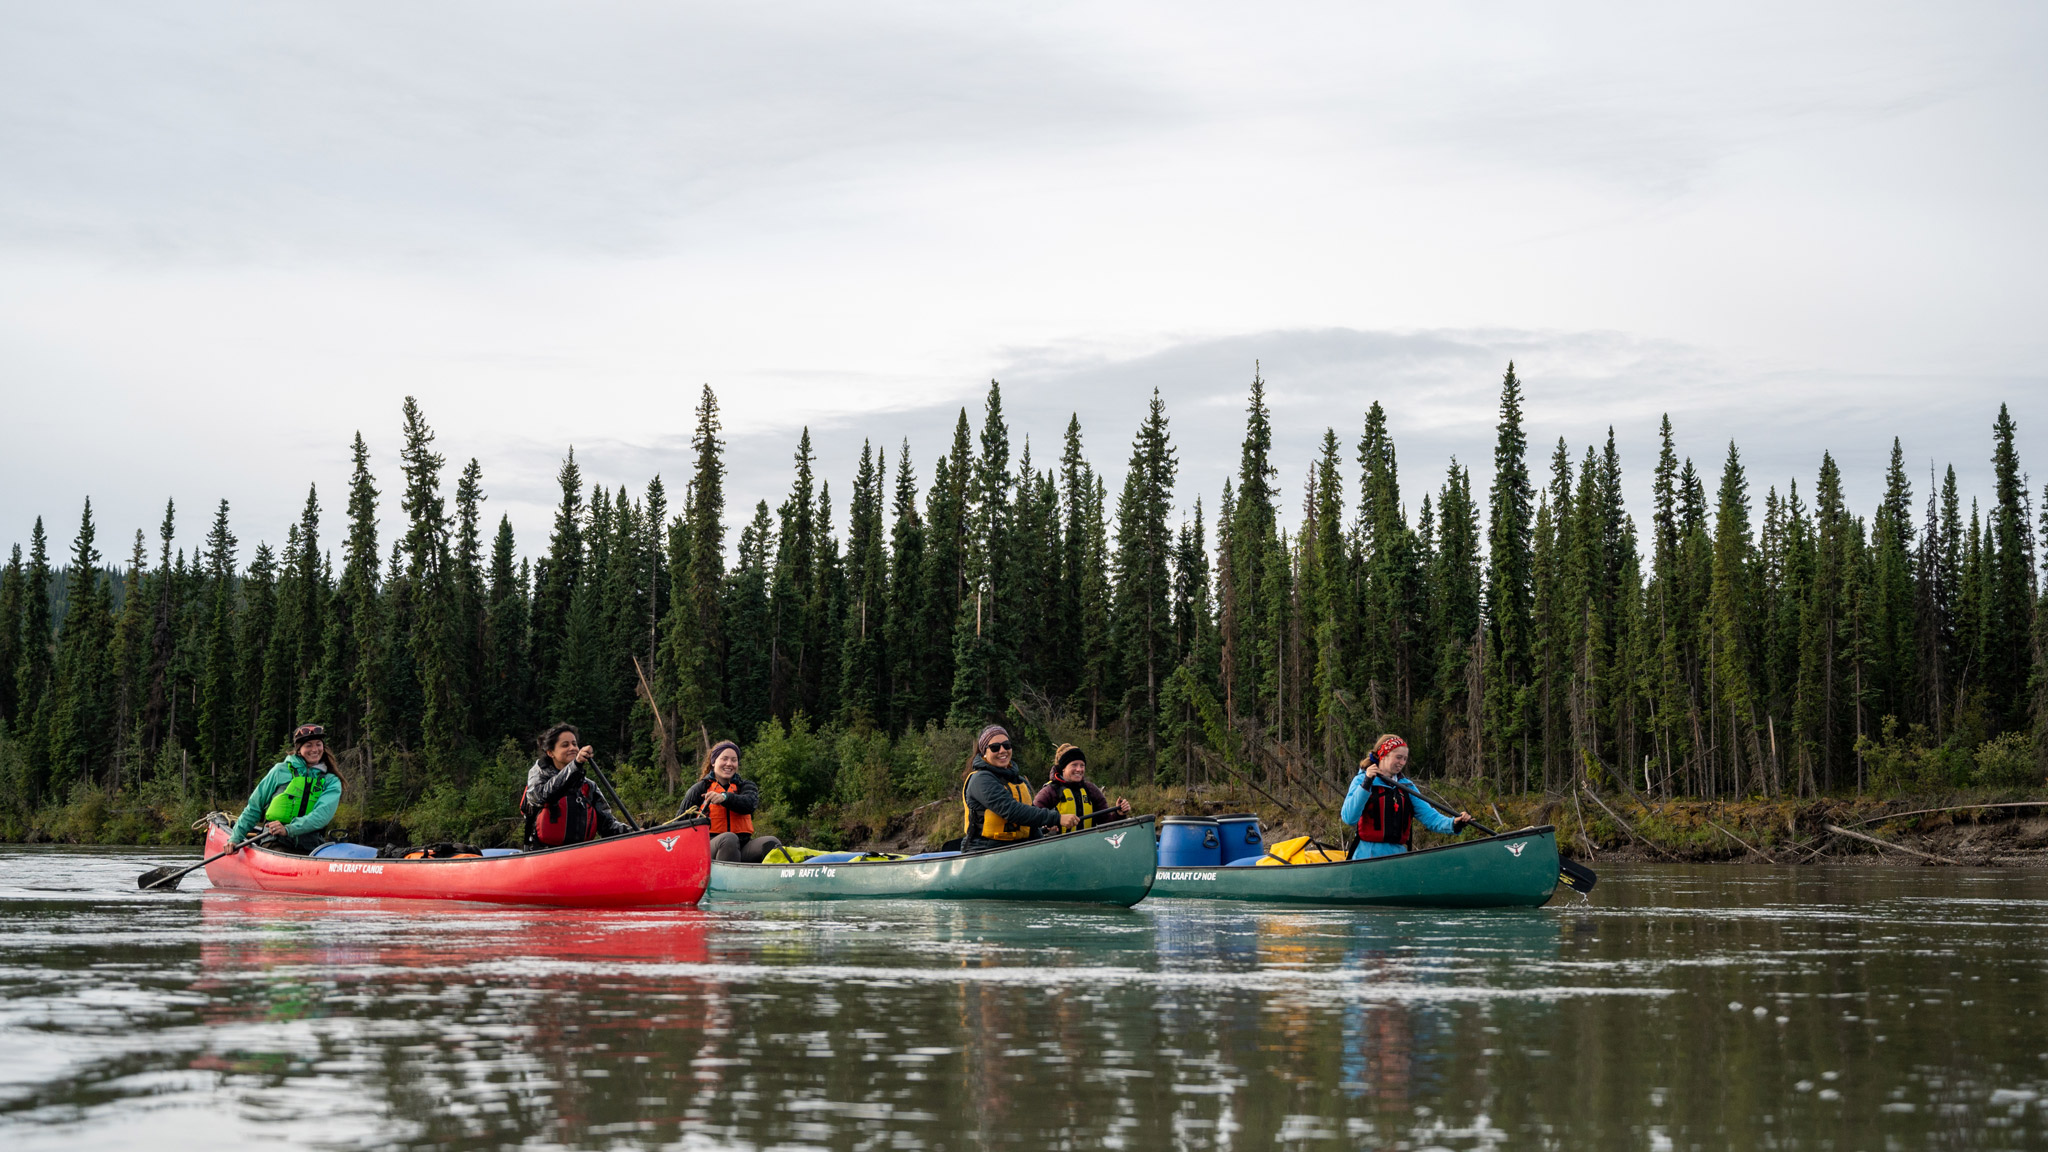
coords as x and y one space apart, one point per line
1108 864
1516 869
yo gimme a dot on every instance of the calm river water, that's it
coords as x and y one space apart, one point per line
1685 1007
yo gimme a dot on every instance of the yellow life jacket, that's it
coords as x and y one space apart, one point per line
994 827
1075 801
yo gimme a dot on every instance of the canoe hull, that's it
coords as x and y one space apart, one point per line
1514 870
1113 864
661 867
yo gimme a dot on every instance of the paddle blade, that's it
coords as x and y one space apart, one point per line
1576 876
164 879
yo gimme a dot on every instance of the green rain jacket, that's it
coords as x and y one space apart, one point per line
325 786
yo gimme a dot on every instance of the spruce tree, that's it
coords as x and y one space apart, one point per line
1508 591
219 711
467 600
862 692
81 730
255 626
349 705
431 595
984 648
695 633
792 595
2007 621
1456 614
37 666
1330 607
748 630
507 683
1730 637
904 629
1894 611
1249 578
556 575
12 591
1142 597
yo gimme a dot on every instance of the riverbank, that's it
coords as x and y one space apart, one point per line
1975 827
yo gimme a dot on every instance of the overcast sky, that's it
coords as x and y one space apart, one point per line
233 234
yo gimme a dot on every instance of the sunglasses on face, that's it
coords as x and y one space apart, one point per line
999 746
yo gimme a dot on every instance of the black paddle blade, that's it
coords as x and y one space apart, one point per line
1576 876
164 879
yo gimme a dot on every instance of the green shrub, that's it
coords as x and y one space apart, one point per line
867 768
1913 762
2008 761
485 812
794 766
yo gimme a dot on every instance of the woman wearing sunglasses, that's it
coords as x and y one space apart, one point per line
996 802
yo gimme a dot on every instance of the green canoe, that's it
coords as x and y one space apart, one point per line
1512 870
1110 864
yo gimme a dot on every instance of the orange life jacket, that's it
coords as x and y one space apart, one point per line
722 820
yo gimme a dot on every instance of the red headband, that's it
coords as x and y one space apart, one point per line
1388 745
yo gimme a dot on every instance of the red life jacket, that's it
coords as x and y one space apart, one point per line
721 819
569 820
1388 816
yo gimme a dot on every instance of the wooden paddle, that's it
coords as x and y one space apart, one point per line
165 879
1570 873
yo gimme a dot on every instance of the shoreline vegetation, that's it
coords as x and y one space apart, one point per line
881 804
1725 677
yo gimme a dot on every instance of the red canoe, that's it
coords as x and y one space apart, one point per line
663 866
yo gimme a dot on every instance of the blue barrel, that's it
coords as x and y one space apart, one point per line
1189 841
1241 836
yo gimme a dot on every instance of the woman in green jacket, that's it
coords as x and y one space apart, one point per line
296 800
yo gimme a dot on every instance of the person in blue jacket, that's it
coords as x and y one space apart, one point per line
296 800
1383 805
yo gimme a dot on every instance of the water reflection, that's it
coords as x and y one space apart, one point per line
1719 1007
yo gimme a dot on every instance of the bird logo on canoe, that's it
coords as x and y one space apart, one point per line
1515 849
1117 841
668 843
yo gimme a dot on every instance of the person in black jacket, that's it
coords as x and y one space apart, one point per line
560 804
729 802
995 799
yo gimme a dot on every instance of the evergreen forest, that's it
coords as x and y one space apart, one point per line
1535 637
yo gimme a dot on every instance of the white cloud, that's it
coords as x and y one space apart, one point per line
232 234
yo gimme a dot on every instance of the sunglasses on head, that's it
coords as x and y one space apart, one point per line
999 746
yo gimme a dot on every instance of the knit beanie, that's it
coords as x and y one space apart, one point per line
987 734
1064 755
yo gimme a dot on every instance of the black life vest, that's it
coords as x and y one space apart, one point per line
1388 817
572 819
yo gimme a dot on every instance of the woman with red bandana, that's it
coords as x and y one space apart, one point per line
1383 806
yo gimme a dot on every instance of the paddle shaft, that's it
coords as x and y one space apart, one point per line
605 783
181 873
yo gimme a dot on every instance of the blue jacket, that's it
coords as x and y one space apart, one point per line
1354 807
